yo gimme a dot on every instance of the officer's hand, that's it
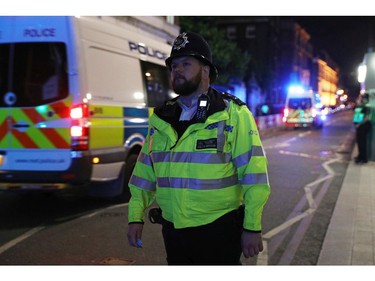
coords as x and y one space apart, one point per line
252 243
135 234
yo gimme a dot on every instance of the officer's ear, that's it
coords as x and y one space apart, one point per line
206 71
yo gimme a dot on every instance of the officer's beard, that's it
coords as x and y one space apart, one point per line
188 87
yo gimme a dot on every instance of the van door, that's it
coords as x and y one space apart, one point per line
34 107
300 109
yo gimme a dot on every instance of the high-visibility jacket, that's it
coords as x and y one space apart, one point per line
208 171
361 114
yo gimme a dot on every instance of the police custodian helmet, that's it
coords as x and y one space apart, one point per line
192 44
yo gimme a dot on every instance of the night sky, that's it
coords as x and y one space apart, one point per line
345 38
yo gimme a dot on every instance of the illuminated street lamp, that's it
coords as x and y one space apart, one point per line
362 70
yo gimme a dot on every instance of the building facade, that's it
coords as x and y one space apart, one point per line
281 55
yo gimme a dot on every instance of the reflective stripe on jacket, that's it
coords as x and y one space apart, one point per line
212 169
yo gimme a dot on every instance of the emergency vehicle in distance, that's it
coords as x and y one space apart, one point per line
75 97
303 109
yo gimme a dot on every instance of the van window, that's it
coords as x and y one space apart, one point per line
156 79
116 78
34 72
299 103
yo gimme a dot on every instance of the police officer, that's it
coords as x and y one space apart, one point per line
362 123
204 163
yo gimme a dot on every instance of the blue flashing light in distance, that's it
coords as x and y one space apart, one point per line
295 89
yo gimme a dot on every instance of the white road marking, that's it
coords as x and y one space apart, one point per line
262 258
19 239
102 210
34 230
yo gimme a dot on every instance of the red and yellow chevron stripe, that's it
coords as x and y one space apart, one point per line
33 136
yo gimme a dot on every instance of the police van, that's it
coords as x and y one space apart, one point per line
303 109
75 97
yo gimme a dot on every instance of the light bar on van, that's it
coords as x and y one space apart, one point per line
295 89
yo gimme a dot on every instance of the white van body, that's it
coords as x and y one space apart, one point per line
303 109
75 96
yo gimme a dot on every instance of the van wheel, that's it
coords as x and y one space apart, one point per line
128 170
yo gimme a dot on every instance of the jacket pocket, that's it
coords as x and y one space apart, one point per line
158 143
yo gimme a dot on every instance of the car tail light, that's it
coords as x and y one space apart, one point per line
79 130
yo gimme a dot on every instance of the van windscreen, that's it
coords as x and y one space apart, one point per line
32 74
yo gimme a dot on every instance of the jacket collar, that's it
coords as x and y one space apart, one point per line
171 108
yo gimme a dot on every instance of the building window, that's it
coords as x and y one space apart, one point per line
231 32
250 32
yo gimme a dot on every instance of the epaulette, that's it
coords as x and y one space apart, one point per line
236 100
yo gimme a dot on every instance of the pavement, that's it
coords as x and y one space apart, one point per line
350 238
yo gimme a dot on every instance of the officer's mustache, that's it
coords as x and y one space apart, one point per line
179 76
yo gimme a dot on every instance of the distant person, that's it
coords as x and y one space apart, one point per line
204 163
362 123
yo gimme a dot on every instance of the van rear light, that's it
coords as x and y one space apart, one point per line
76 113
314 112
79 130
286 111
76 131
79 111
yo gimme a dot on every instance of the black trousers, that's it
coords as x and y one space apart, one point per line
217 243
361 137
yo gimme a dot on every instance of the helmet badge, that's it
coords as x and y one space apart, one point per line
180 41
